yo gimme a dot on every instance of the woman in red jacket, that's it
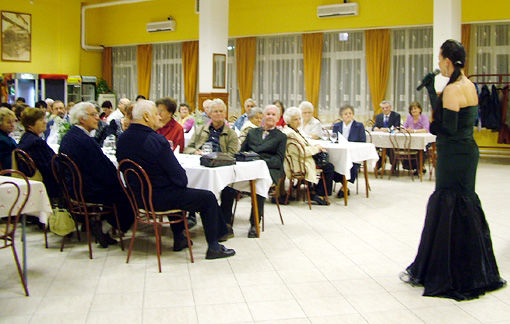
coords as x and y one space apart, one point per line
171 129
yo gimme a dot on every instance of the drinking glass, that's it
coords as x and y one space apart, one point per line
334 137
109 144
325 135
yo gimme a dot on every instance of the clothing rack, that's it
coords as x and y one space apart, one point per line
501 80
499 77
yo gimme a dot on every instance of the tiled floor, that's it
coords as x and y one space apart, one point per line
331 264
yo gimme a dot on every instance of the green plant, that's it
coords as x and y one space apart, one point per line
102 86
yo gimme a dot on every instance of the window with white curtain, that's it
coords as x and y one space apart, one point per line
167 76
492 49
125 77
279 70
343 76
411 60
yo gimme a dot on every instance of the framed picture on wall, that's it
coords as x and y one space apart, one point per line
16 36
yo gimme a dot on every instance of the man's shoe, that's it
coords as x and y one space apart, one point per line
97 231
223 252
252 233
340 193
181 245
192 220
230 234
110 240
319 200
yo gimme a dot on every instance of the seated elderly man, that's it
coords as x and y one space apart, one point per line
292 117
222 139
248 105
311 126
255 118
142 144
270 143
99 175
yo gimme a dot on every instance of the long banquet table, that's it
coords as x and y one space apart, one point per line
419 141
342 155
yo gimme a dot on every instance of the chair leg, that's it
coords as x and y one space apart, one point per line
325 188
186 228
409 161
46 236
20 271
393 167
118 227
277 196
87 226
308 193
135 226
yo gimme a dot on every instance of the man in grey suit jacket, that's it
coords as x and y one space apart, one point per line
387 118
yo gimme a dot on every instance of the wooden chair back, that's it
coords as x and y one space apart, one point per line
23 162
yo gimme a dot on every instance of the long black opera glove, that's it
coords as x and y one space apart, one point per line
447 124
429 82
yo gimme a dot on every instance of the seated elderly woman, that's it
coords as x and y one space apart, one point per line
34 121
255 118
292 117
7 144
352 131
171 129
311 127
185 120
416 122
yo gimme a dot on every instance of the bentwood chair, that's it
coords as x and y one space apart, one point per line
402 151
295 156
138 188
23 162
8 225
68 175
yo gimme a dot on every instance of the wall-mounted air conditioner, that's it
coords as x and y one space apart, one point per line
160 26
338 10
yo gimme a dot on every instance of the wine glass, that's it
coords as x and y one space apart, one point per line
325 135
334 137
109 144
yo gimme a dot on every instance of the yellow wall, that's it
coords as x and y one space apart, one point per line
55 37
56 24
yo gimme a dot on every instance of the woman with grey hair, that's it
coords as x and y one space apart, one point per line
7 144
311 127
255 118
292 117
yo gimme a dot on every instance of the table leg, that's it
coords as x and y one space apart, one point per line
255 205
365 171
345 189
420 169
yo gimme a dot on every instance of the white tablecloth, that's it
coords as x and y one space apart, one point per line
215 179
343 155
419 141
38 203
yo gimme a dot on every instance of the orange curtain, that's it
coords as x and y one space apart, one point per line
107 66
190 67
465 40
312 56
378 64
144 64
245 63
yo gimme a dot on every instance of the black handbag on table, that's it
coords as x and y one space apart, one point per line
247 156
216 159
321 159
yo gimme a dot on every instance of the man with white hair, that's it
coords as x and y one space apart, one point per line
118 113
143 145
248 105
99 175
205 114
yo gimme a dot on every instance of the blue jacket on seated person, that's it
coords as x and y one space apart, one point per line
99 175
357 134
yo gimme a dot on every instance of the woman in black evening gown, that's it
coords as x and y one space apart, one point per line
455 258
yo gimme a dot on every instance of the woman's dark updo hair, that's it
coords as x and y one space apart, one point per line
455 52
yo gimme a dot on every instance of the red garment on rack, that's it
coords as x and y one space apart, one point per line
504 132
